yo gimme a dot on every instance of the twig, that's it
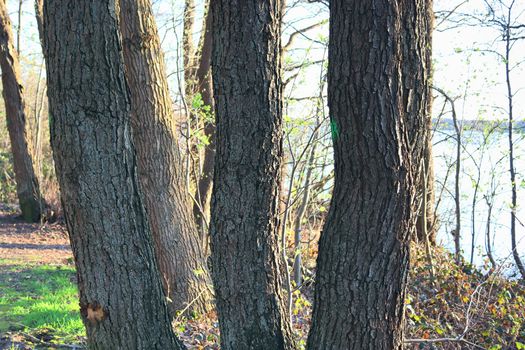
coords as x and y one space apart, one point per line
444 340
51 345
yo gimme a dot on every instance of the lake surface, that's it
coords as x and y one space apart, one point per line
485 156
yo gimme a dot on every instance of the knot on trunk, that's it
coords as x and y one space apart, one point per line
93 312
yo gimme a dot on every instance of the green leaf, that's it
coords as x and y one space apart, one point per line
197 102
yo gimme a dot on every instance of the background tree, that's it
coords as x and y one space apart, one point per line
30 199
203 77
198 91
247 266
426 221
377 102
180 252
503 16
121 299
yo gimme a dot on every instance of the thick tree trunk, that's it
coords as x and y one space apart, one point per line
180 252
377 87
246 266
28 190
121 299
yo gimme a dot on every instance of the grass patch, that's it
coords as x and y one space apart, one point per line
41 300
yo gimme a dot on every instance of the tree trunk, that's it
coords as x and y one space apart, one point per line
512 168
456 233
426 221
246 266
180 253
188 49
31 203
377 88
19 26
430 219
205 88
301 211
121 299
39 14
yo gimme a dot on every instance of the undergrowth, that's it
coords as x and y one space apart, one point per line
461 308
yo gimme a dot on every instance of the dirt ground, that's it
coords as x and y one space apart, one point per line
40 243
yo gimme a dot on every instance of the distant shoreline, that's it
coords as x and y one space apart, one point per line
479 125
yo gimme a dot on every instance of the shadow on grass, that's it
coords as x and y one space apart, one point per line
39 297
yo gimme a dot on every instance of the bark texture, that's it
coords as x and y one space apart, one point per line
30 200
377 88
246 267
121 299
180 252
426 222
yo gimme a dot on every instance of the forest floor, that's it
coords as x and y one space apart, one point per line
455 307
38 295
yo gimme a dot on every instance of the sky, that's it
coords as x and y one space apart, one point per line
467 65
463 66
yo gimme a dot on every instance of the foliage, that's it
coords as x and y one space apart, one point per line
203 115
487 309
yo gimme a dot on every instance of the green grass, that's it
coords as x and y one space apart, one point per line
40 299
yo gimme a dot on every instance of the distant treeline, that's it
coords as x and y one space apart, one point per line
480 125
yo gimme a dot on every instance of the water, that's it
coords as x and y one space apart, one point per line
487 153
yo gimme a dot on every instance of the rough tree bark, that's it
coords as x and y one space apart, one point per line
377 87
121 299
30 199
180 252
246 266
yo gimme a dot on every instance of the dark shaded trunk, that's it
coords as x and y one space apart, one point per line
377 88
188 49
428 217
426 221
39 15
180 253
246 266
30 200
121 299
205 88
